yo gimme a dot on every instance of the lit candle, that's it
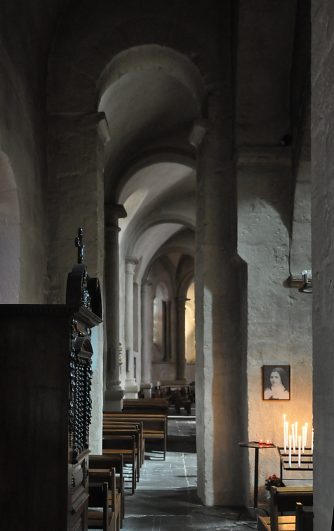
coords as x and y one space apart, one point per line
290 442
293 428
284 432
299 450
296 433
306 427
312 440
303 438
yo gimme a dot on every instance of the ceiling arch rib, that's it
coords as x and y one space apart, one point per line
146 93
150 241
162 193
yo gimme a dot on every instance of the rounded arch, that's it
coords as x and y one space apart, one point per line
146 93
154 157
9 234
156 59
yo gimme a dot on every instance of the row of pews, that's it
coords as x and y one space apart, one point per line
291 509
126 436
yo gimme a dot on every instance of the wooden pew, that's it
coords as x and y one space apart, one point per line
283 500
125 445
103 495
99 477
304 517
126 428
154 425
98 498
146 405
107 462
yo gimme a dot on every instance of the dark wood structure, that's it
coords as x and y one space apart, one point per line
45 381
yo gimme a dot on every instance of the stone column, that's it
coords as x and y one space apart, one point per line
219 378
147 337
180 339
113 393
131 387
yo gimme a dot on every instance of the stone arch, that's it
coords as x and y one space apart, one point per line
9 234
155 58
146 93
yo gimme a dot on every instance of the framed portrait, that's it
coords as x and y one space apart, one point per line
276 382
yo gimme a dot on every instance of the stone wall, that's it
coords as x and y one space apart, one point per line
23 67
322 253
279 318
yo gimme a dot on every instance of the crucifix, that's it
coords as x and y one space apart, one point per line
79 244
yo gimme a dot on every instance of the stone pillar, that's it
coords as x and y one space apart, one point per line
131 387
218 371
180 339
323 259
113 393
147 336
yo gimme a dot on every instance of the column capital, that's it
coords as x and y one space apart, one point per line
112 213
146 286
198 132
181 300
130 265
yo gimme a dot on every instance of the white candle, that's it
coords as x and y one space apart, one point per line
303 438
290 442
306 427
296 432
299 450
287 433
293 428
284 431
312 440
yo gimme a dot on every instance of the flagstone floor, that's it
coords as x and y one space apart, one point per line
165 498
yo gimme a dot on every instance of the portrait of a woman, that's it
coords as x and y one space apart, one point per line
276 382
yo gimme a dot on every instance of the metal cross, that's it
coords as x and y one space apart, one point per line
79 244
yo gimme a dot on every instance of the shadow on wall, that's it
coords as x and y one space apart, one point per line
9 234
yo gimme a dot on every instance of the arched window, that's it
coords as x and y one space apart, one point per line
161 321
190 325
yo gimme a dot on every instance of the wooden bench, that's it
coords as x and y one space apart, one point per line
104 507
125 445
304 517
154 425
146 405
107 462
283 500
122 428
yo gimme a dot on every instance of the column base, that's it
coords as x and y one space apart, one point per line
131 389
113 400
146 389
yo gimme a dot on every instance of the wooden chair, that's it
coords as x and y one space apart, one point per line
304 517
283 500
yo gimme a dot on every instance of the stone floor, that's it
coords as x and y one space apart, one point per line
165 498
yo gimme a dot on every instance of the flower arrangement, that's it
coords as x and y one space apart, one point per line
273 481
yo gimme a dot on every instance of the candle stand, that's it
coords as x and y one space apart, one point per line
306 462
257 447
